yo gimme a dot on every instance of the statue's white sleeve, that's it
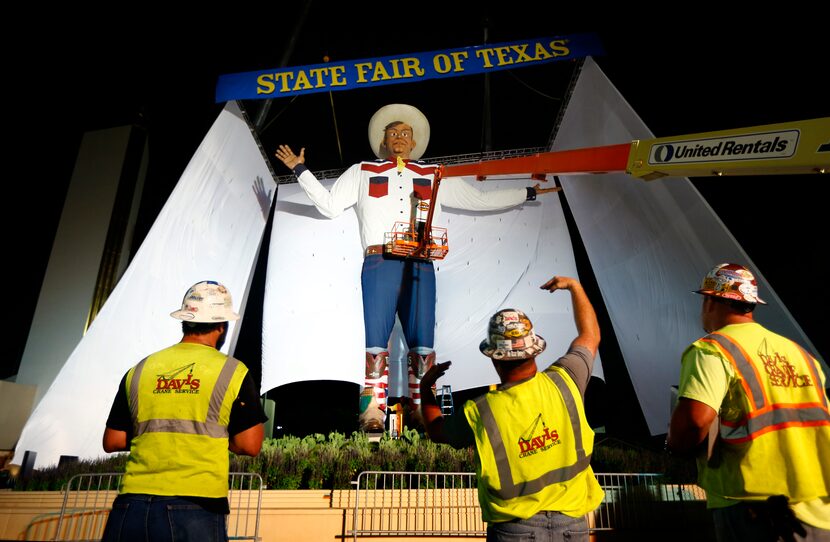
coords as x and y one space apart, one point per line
457 193
343 193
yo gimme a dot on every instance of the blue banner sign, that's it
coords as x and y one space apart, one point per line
392 70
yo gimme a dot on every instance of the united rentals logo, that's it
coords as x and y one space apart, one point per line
168 383
780 371
533 441
766 145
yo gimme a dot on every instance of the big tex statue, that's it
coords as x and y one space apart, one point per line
396 188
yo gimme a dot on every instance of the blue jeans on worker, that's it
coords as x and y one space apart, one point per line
544 526
405 287
139 518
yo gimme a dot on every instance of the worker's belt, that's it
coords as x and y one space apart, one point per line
374 249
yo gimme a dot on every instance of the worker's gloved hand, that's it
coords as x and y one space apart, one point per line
782 519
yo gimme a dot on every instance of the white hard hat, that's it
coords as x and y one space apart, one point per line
206 302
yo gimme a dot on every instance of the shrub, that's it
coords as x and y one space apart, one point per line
56 477
333 461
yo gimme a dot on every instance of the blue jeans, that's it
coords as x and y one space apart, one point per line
544 526
405 287
141 518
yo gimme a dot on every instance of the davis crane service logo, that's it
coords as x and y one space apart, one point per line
758 146
537 439
168 383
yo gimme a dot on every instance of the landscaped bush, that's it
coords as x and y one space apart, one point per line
55 478
333 461
615 456
320 462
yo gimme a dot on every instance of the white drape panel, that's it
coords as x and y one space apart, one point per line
313 315
650 244
209 229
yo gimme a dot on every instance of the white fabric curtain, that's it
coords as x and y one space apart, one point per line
649 244
209 229
313 319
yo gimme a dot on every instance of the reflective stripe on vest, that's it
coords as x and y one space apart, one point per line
210 427
811 364
752 386
765 416
509 490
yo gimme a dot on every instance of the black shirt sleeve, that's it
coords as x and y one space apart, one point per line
120 418
246 410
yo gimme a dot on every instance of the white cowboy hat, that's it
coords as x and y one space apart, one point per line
401 113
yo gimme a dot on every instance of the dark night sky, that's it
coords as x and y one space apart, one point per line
160 73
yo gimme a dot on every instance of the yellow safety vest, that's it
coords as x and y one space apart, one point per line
774 436
180 401
534 449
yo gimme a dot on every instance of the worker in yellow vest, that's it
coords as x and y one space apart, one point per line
178 412
532 440
753 406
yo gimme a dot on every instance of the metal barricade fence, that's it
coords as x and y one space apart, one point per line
645 502
416 504
245 500
87 501
446 504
